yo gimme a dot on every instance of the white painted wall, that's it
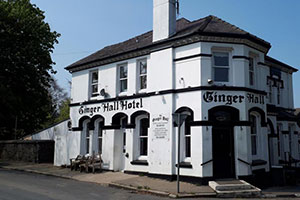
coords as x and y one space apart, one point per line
165 74
164 19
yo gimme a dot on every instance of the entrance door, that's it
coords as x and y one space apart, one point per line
223 152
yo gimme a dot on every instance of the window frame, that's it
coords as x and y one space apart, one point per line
252 71
91 83
137 147
100 137
255 135
139 75
119 79
214 52
87 137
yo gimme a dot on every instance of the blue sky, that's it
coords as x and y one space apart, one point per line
89 25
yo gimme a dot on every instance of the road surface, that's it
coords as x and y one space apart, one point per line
16 185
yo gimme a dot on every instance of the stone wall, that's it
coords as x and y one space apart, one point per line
37 151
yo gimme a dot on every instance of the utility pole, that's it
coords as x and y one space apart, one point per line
178 119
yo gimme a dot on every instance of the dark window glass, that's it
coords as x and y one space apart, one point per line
142 74
144 146
123 85
143 82
221 59
144 124
253 134
187 146
221 74
95 77
124 138
144 127
123 71
87 134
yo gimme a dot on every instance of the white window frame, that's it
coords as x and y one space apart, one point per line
119 79
252 71
228 67
256 135
99 137
87 137
139 75
138 137
94 94
183 141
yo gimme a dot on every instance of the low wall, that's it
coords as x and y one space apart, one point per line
37 151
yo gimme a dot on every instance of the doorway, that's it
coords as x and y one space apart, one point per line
224 119
223 152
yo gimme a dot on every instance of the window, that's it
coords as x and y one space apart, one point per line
122 78
221 66
142 74
187 137
270 91
253 134
87 136
251 71
100 139
278 94
94 83
279 127
123 123
143 136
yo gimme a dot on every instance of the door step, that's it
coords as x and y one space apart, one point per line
234 188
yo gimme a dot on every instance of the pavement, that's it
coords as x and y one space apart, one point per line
140 183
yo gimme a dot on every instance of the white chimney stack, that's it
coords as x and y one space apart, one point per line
164 19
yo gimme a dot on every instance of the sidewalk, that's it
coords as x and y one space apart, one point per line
140 183
117 179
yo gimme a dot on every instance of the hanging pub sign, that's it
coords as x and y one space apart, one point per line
112 106
229 99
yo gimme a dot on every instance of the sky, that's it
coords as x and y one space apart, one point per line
87 26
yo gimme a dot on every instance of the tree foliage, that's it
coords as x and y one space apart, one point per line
26 42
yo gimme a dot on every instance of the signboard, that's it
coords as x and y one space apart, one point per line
161 126
112 106
229 99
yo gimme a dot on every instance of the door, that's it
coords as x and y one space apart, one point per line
223 152
123 153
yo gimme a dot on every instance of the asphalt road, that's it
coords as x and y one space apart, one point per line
16 185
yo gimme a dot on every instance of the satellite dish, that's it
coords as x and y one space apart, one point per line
102 92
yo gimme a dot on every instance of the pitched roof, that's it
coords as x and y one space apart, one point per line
209 25
272 61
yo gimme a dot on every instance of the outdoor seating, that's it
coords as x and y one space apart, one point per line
76 162
92 162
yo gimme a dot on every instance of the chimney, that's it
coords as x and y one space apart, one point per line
164 19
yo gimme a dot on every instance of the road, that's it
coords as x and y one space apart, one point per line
16 185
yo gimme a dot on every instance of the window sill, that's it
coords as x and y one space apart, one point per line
139 162
142 91
185 165
122 94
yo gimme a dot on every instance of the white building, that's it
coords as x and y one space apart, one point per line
238 101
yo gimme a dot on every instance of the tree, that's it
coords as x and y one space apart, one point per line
26 42
60 104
